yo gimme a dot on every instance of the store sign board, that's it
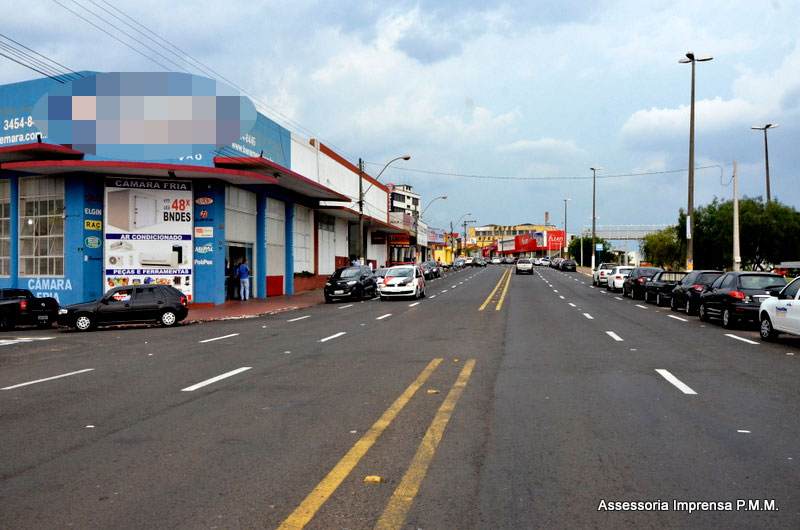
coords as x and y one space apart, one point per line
399 239
203 231
148 236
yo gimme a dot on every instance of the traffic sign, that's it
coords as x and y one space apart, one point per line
598 246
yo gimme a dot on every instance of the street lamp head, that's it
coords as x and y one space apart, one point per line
407 157
596 168
765 127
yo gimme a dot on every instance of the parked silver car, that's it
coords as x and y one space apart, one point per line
616 278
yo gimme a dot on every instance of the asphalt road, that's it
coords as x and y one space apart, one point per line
499 401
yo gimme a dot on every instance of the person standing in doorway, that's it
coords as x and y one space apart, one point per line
244 280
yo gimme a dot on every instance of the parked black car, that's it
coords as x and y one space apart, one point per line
430 270
355 282
686 295
128 304
636 282
20 307
736 296
659 289
569 265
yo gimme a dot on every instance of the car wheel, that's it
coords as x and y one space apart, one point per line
168 318
689 309
673 304
328 299
6 323
84 322
658 300
767 331
728 320
647 297
703 313
633 293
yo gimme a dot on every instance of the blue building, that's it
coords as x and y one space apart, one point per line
73 224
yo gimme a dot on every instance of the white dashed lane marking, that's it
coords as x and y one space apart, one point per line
47 379
219 338
337 335
614 336
677 318
587 315
298 318
675 381
387 315
215 379
748 341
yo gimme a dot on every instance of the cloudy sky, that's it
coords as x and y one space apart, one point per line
530 94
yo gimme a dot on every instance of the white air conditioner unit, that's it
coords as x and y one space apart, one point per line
121 245
131 210
159 259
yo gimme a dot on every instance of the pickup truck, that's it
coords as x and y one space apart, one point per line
20 307
659 289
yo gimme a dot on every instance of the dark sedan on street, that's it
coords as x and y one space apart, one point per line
686 295
128 304
736 296
355 282
568 265
636 282
659 289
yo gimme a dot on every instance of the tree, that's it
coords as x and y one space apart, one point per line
664 249
768 234
574 249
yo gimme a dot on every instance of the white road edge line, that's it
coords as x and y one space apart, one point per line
326 339
587 315
387 315
218 338
215 379
47 379
614 336
298 318
678 318
675 381
748 341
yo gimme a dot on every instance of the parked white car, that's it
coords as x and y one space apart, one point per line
544 262
781 313
616 278
600 274
403 280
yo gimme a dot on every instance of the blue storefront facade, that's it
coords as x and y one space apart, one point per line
74 224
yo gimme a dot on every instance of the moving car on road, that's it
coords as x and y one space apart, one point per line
569 265
355 282
659 289
128 304
524 266
736 296
781 312
403 280
636 282
686 295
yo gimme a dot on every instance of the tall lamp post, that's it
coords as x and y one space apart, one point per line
594 213
361 193
690 58
565 227
766 150
416 221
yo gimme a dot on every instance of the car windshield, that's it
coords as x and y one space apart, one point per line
707 278
672 276
607 266
524 260
753 281
624 270
351 272
381 272
405 272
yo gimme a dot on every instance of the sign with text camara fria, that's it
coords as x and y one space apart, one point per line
148 233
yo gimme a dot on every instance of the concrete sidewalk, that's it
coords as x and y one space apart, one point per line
256 306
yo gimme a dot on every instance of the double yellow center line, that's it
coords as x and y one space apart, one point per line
505 278
401 500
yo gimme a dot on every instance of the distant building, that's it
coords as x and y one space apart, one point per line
404 200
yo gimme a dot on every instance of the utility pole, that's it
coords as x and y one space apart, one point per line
766 149
452 244
737 258
690 58
465 237
360 209
594 214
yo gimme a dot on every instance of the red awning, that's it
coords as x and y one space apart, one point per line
37 151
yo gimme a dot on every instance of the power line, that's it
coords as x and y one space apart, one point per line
54 71
504 177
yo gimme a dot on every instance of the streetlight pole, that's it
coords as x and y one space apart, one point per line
419 216
690 58
565 227
361 193
594 213
766 150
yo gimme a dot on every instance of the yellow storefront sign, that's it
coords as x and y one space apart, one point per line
93 225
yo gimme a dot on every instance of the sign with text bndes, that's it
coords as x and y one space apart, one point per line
148 236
